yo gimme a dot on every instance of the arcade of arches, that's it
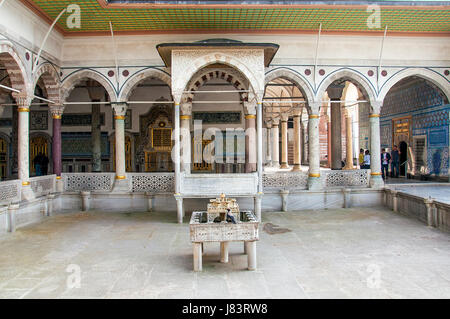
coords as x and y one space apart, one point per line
414 116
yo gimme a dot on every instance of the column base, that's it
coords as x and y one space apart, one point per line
275 164
27 193
59 185
297 168
257 205
121 185
284 197
376 181
180 208
314 183
284 165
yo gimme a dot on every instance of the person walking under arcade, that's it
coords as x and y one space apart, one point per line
395 162
385 159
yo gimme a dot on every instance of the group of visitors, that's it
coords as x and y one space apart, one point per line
40 163
393 158
364 159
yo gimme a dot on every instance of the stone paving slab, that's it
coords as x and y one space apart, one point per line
339 253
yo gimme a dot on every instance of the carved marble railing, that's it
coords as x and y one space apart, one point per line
285 181
345 178
10 192
235 184
88 181
43 185
152 182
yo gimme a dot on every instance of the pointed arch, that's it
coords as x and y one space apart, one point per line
131 84
351 75
15 67
69 83
51 80
288 74
437 79
180 81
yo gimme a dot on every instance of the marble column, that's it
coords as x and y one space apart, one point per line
328 118
176 149
250 137
259 160
96 138
376 179
119 118
335 94
96 93
186 115
269 144
348 140
284 141
56 112
23 103
305 137
314 181
336 135
297 141
275 143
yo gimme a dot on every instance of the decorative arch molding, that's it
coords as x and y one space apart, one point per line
51 80
5 137
69 83
185 64
427 74
231 76
356 78
41 134
15 67
130 85
294 77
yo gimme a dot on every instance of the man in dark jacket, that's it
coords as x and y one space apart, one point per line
395 162
385 159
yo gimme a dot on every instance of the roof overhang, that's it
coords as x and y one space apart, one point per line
165 49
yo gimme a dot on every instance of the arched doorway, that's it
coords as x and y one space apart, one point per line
38 145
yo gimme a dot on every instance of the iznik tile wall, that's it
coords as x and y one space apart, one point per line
429 119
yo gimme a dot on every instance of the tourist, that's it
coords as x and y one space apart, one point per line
44 164
361 157
366 161
395 162
385 159
37 162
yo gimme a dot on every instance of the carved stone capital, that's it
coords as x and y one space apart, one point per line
186 108
23 99
375 107
56 111
120 109
250 108
284 117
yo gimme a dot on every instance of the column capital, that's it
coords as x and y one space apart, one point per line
56 111
335 92
284 117
120 109
23 100
314 106
296 112
275 122
375 107
250 108
186 108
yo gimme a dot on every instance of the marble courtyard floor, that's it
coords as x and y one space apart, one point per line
343 253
